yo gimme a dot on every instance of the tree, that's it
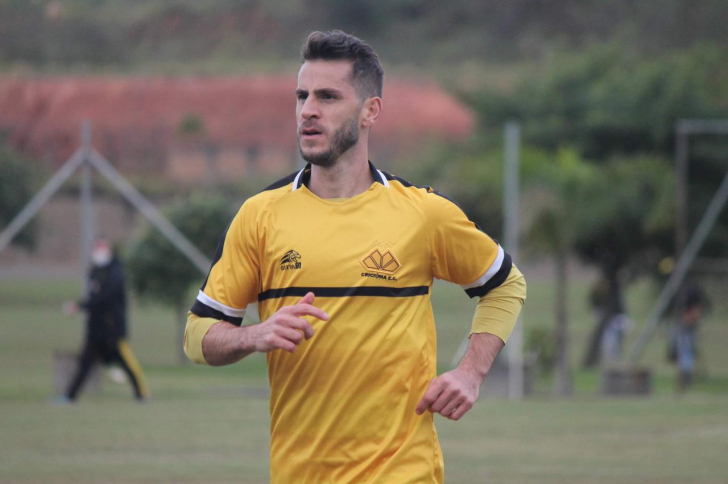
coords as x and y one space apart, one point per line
618 110
563 185
159 272
625 228
611 215
608 101
16 190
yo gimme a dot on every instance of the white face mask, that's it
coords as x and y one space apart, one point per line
101 257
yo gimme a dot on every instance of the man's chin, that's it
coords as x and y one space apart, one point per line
324 158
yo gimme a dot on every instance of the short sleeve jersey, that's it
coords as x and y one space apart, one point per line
343 404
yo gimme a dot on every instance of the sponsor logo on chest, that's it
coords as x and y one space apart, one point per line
380 265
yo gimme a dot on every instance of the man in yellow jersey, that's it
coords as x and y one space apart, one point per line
340 258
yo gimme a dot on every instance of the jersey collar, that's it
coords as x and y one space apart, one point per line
304 176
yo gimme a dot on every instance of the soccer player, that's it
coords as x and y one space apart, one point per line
341 257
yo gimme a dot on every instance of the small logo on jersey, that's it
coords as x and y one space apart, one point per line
291 260
381 266
382 243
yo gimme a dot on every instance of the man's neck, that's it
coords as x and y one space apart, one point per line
348 177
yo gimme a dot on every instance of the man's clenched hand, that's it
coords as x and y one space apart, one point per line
453 393
285 329
450 394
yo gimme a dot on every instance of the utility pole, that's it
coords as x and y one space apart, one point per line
511 196
88 221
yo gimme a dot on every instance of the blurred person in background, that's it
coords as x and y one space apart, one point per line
106 332
613 322
613 338
691 303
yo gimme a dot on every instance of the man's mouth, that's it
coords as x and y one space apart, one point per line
310 133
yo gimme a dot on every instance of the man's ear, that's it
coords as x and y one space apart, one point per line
371 110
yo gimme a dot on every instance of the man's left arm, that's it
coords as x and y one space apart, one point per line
453 393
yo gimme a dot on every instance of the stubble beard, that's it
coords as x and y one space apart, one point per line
344 139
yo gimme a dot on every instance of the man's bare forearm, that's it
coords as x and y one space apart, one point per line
483 349
224 344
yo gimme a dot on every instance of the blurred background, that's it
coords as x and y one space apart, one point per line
600 128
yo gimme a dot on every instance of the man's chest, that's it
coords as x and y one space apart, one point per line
372 246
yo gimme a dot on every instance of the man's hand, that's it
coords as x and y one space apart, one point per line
451 394
285 329
225 344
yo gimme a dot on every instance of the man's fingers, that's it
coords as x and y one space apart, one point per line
445 397
282 338
301 309
450 406
448 397
433 391
302 325
460 411
304 307
307 299
290 334
284 344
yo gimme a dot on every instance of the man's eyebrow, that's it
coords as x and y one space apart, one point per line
328 91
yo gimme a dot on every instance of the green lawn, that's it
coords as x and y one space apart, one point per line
211 424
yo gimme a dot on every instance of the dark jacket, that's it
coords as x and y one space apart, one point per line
105 303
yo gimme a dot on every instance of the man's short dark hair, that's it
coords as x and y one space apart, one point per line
367 74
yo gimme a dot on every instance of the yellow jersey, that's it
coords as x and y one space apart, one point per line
343 404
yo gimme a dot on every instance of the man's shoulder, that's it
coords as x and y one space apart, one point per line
424 196
283 183
272 192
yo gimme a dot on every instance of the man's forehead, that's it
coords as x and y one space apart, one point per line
320 74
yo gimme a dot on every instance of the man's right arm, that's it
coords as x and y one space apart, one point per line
219 343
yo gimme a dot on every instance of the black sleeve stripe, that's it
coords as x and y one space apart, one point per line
495 281
205 311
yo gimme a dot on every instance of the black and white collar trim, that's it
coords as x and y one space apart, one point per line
303 177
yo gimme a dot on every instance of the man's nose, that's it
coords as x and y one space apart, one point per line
309 109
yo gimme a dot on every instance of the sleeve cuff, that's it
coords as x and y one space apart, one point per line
497 311
196 329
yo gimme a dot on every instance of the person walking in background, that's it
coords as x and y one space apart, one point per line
106 332
613 338
691 302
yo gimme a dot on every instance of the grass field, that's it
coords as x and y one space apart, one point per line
211 424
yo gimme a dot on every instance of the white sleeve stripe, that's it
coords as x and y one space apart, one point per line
226 310
295 180
384 179
492 270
